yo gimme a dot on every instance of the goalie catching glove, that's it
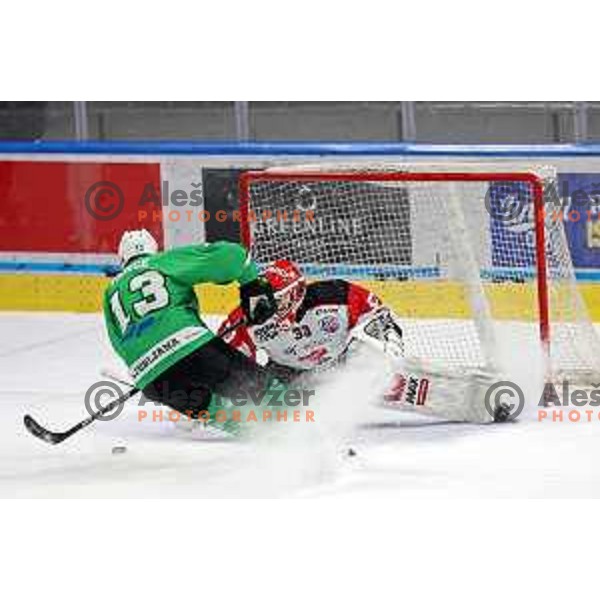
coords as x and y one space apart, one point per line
383 330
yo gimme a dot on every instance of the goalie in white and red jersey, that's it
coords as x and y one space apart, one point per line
315 324
312 327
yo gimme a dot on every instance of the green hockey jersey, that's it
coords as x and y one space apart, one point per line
151 310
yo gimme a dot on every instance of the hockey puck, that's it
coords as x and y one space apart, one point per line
119 450
351 452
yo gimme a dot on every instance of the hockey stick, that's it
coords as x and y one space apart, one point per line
113 376
55 437
233 327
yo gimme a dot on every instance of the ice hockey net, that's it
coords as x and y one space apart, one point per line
452 250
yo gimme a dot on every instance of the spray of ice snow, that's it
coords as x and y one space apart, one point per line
287 457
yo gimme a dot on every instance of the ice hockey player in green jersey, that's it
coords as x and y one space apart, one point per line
154 323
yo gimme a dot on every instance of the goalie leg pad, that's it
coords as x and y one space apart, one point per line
454 396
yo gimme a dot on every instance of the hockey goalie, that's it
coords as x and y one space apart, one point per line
317 324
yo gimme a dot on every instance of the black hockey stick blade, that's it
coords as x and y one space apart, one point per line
40 432
56 437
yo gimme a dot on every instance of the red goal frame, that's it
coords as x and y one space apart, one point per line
537 189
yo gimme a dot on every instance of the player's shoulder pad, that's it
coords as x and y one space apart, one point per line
330 291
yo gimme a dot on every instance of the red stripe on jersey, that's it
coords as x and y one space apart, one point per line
360 302
239 338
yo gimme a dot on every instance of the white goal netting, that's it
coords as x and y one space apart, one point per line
451 250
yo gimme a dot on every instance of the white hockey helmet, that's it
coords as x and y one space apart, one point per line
138 242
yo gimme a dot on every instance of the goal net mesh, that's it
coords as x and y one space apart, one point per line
450 257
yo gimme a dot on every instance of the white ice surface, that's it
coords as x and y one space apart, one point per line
47 361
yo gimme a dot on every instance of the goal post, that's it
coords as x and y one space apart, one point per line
434 243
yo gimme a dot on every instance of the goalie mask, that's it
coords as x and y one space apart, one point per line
289 289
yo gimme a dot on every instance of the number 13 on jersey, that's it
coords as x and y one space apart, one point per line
152 292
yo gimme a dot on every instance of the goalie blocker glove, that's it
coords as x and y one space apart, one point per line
258 302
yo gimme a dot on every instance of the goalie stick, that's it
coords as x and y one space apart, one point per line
56 437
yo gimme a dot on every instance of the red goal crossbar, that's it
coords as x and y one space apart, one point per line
537 189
